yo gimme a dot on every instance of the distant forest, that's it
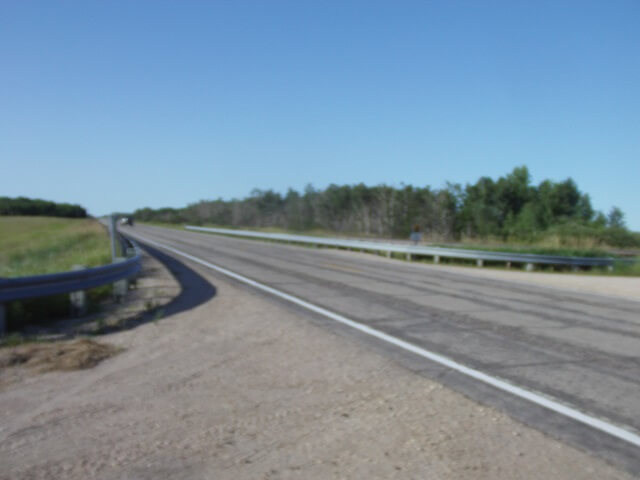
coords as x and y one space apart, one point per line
508 209
29 206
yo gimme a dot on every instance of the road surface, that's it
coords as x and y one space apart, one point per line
581 350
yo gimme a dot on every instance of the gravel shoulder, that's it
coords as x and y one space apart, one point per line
608 285
624 287
239 386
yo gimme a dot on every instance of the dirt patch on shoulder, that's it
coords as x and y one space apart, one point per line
69 355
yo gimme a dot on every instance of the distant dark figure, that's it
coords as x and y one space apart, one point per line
130 221
416 235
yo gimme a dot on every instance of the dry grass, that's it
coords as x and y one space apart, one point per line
44 357
39 245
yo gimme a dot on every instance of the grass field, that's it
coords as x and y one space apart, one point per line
39 245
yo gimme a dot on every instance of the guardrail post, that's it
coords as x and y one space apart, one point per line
529 267
408 257
3 319
436 259
609 268
131 252
121 287
508 265
78 299
112 236
388 253
480 262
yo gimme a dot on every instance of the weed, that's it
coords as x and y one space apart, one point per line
158 314
149 304
13 340
100 325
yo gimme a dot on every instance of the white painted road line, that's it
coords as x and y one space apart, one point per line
534 397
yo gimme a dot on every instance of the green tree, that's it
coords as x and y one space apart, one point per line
616 218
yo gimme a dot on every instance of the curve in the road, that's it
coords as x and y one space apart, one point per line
579 351
534 397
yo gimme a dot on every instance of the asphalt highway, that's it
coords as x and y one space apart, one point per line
581 350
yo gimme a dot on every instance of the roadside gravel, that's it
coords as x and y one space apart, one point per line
624 287
609 285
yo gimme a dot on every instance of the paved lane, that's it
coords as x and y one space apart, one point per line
583 350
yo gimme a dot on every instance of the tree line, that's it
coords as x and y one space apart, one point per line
30 206
509 208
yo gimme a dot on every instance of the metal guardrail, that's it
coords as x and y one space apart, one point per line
21 288
436 252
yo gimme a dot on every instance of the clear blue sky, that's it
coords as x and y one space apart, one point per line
120 105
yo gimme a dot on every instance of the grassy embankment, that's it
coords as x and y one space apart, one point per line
550 245
40 245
